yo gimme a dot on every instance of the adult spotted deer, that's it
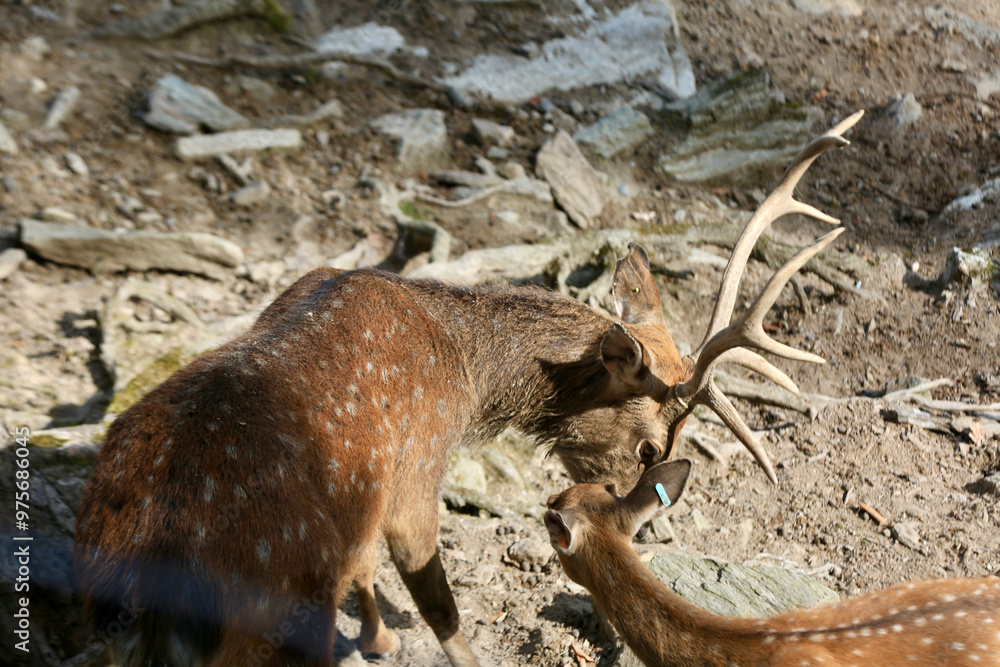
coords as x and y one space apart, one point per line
233 505
941 623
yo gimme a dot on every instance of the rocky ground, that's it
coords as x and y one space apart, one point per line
171 253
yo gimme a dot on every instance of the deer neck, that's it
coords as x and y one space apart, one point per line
522 351
657 624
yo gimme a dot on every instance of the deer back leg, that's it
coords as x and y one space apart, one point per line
412 532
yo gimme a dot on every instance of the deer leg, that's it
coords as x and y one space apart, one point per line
375 637
412 537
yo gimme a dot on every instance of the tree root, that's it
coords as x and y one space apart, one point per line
301 60
177 19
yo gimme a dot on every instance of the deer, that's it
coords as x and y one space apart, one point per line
931 623
234 505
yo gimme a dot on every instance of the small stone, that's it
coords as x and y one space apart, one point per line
548 128
422 136
8 144
184 108
57 214
530 553
701 523
508 217
579 189
624 190
488 133
76 164
14 119
148 218
504 466
466 473
496 153
485 166
251 195
35 48
576 108
9 184
614 134
905 110
906 534
255 88
210 145
62 106
10 260
662 529
512 171
266 273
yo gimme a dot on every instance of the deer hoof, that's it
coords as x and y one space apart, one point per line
383 644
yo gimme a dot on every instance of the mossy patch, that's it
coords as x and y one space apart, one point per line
154 374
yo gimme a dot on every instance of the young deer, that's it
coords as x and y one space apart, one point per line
931 623
233 505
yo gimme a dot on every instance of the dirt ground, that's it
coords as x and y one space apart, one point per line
889 187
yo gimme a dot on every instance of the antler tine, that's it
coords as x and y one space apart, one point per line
778 203
749 331
722 406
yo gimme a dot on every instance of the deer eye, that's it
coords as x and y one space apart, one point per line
649 452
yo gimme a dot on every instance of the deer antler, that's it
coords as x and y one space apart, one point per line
728 344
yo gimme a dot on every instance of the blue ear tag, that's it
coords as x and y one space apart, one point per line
661 492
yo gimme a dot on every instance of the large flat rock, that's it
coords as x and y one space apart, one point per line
103 251
639 41
580 190
734 590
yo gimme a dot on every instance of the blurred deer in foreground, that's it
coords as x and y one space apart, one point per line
233 505
930 623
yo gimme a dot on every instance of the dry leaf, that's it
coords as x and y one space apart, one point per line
583 659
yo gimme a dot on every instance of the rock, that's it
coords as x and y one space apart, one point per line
210 145
976 265
76 164
488 133
508 217
62 106
266 273
8 144
10 260
512 171
14 119
466 473
906 534
422 136
530 553
988 190
504 466
904 110
579 189
365 39
252 194
9 184
988 85
469 179
57 214
740 131
662 529
497 153
255 88
618 132
842 7
102 251
184 108
991 484
733 590
485 166
641 41
58 475
701 524
35 48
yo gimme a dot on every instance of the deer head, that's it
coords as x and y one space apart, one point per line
652 388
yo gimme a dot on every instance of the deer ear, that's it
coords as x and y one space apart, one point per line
637 300
562 526
660 486
622 354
